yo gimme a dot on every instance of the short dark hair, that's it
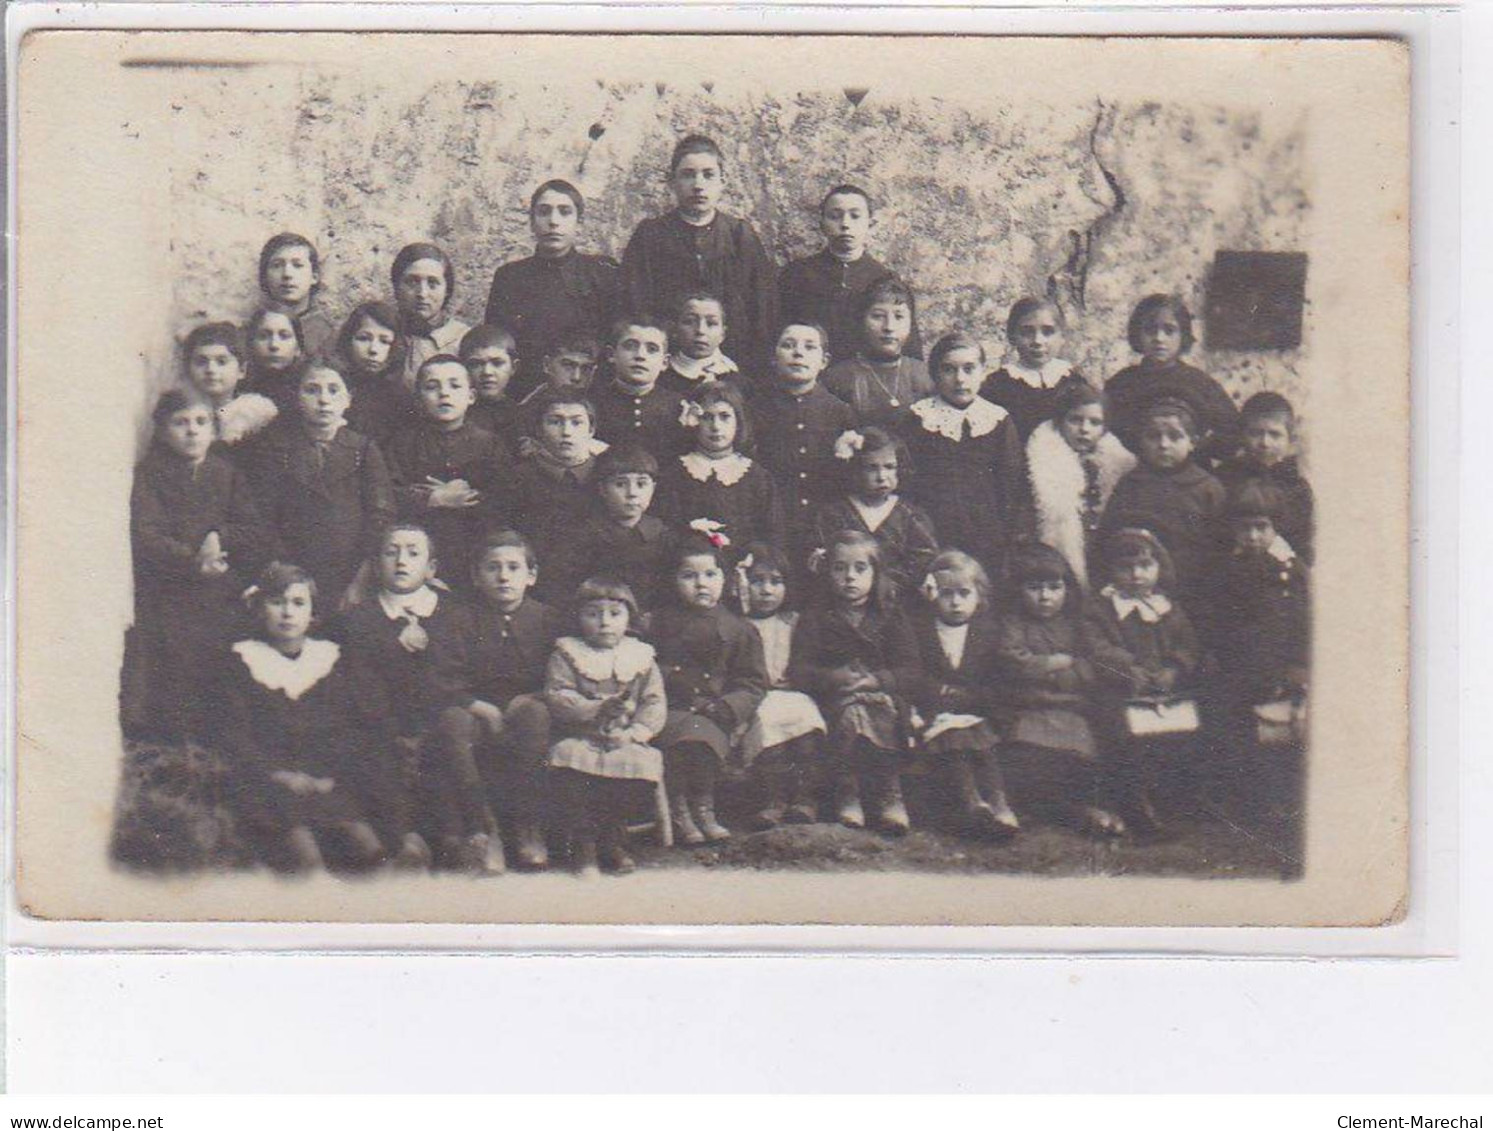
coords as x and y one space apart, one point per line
608 589
698 296
405 526
547 397
224 334
624 459
954 340
847 190
817 327
694 544
1025 307
1172 406
257 319
487 335
691 144
576 341
274 579
643 321
505 540
1267 404
439 359
1133 543
413 253
174 400
877 439
1255 498
280 242
1152 305
559 185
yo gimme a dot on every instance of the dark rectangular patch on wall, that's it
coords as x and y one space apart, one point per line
1255 299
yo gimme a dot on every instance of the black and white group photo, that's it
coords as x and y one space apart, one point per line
598 476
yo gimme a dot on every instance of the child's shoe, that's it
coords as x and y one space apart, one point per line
482 855
771 815
848 809
804 809
414 854
705 821
686 832
612 852
583 857
985 823
533 856
891 814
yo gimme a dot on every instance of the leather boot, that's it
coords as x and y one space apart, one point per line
482 855
891 810
705 820
533 853
612 849
775 808
848 809
804 807
686 833
583 855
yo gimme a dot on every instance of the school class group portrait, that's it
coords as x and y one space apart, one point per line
474 598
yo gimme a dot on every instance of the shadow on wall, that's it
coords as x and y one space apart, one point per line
1095 204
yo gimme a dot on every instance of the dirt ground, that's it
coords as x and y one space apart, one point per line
169 819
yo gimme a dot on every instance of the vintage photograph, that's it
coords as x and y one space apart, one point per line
709 467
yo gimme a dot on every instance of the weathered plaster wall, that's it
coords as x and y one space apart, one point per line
1099 201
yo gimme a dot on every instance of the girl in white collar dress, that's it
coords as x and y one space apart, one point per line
1027 385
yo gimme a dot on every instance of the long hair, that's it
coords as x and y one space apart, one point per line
725 392
957 561
1148 308
883 592
1025 307
1133 543
763 555
382 314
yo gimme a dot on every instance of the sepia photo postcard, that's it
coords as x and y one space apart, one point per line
683 479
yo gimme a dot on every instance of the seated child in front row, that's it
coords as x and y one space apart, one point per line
308 741
714 677
632 407
392 631
856 655
490 355
1047 674
369 353
1268 453
324 488
783 742
196 536
1169 494
617 530
873 463
695 355
606 700
1074 463
1145 656
214 355
446 470
956 634
488 668
716 488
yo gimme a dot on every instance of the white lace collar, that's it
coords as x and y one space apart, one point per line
1044 377
1150 609
941 418
243 416
294 675
401 606
873 517
702 369
1281 550
729 470
626 662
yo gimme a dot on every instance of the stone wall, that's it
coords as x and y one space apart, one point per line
1096 202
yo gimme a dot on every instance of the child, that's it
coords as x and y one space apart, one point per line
698 247
1160 331
370 351
570 367
290 277
557 292
551 488
1268 423
956 635
214 354
424 285
1171 496
828 287
873 462
195 534
798 422
489 353
1074 464
781 743
714 678
488 666
1046 677
307 739
715 489
1145 656
633 407
446 471
636 546
971 469
323 487
880 382
277 356
1264 606
696 357
392 633
606 699
856 655
1027 388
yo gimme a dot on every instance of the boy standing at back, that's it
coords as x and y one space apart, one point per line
697 247
826 287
